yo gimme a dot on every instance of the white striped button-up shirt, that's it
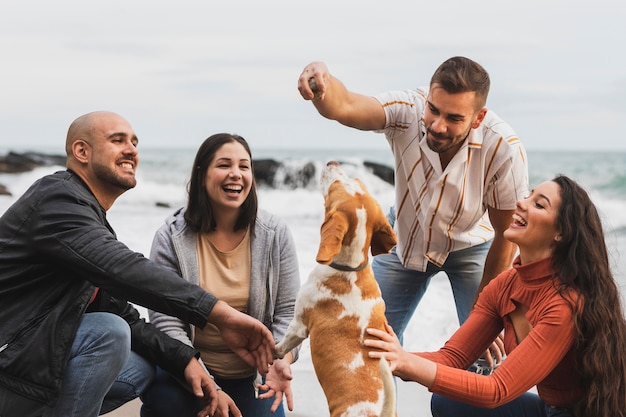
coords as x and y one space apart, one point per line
442 211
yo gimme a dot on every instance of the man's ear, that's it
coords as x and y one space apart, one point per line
80 150
479 117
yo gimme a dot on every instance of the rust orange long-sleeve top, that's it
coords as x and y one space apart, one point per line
544 358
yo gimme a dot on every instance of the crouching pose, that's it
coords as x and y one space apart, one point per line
559 306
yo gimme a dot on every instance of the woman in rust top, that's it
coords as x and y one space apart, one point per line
561 312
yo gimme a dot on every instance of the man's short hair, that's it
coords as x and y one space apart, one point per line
460 75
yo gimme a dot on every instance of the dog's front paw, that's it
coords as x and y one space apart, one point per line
281 350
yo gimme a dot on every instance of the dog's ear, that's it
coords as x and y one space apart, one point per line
332 232
383 238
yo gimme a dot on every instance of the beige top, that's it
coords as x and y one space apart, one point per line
227 276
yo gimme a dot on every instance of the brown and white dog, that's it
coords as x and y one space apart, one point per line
341 299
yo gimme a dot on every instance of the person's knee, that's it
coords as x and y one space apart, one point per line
132 382
106 325
111 334
118 329
139 372
440 406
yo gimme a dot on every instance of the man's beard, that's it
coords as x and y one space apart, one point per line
450 142
105 174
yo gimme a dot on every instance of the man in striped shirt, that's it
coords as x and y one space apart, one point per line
459 170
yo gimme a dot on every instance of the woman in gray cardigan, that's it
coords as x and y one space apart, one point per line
247 257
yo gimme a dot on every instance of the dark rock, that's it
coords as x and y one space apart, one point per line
275 174
296 177
268 172
381 171
15 163
23 162
265 171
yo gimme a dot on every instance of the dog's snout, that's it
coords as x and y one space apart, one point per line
332 163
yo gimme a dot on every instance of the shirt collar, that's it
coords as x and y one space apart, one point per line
536 272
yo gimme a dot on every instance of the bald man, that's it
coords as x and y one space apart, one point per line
71 344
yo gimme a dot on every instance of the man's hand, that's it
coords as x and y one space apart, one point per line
225 407
202 386
312 81
244 335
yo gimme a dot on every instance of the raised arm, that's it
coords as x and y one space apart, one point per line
333 101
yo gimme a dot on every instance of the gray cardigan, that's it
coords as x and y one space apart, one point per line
274 283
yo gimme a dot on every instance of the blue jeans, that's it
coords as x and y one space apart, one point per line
527 405
166 397
102 372
403 289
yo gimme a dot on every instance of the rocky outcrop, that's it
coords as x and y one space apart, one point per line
276 174
13 163
265 171
381 171
268 172
23 162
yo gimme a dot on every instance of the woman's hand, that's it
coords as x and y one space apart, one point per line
496 352
278 383
403 364
387 344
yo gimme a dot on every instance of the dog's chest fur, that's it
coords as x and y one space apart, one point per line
340 296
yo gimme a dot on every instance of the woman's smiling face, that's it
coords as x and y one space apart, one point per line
534 223
228 179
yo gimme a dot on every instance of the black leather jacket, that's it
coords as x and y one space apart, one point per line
56 246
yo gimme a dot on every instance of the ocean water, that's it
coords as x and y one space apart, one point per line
163 175
162 178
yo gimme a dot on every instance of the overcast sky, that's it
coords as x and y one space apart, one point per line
180 71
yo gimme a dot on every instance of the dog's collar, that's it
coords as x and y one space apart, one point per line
341 267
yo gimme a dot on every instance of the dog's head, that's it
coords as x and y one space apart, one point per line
353 223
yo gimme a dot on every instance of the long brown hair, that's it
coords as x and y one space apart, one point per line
581 260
